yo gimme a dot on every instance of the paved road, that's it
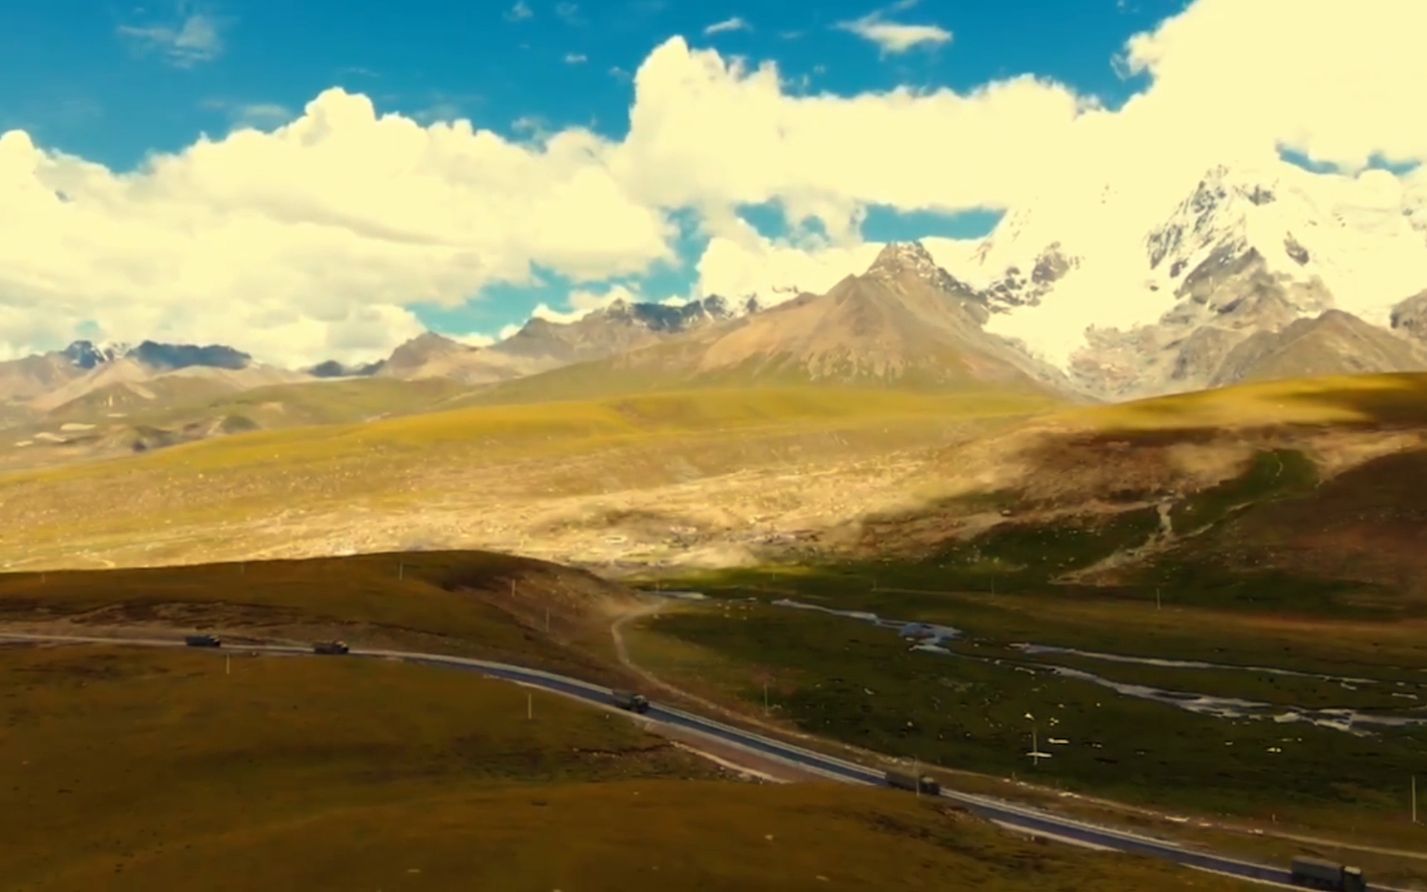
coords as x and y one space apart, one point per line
1007 814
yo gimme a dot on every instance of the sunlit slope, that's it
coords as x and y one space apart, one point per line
1297 495
176 409
146 770
179 503
1352 400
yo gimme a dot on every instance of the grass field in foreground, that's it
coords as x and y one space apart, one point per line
473 603
141 770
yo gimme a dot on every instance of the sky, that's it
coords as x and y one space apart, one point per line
325 179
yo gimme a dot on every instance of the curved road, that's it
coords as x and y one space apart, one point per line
1007 814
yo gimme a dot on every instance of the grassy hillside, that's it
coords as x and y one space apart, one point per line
340 485
175 409
156 770
473 603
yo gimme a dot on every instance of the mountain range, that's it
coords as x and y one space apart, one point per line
1251 275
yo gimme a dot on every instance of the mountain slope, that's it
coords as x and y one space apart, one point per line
1335 343
904 323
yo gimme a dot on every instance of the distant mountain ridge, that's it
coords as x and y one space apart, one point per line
904 322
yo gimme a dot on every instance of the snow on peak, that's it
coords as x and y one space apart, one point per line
911 258
1117 258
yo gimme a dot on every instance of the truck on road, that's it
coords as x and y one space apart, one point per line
203 641
1315 873
631 701
903 781
330 647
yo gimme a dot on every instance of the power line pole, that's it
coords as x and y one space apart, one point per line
529 706
400 570
227 664
917 776
1158 605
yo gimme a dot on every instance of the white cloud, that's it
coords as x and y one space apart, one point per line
742 262
895 37
569 13
713 135
508 331
576 58
184 43
310 242
519 12
321 234
473 339
736 23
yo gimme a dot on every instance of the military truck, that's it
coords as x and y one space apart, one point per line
1315 873
203 641
631 701
330 647
923 784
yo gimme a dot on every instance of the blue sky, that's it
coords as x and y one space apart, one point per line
114 81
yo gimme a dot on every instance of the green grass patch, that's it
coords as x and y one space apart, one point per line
859 684
1275 474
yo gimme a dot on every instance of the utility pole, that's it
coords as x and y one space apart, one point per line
917 776
227 664
512 588
1158 605
242 568
400 570
529 706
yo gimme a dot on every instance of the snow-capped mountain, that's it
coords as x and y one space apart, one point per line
1132 297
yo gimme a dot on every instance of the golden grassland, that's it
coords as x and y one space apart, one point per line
154 770
1334 400
182 499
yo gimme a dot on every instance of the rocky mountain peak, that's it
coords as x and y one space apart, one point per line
900 257
900 260
86 355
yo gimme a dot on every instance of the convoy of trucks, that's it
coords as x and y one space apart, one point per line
1315 873
923 784
631 701
330 647
203 641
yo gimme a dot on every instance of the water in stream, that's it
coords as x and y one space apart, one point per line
932 638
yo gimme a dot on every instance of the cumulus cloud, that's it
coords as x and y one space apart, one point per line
317 237
743 263
736 23
311 240
519 12
576 58
191 39
711 134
